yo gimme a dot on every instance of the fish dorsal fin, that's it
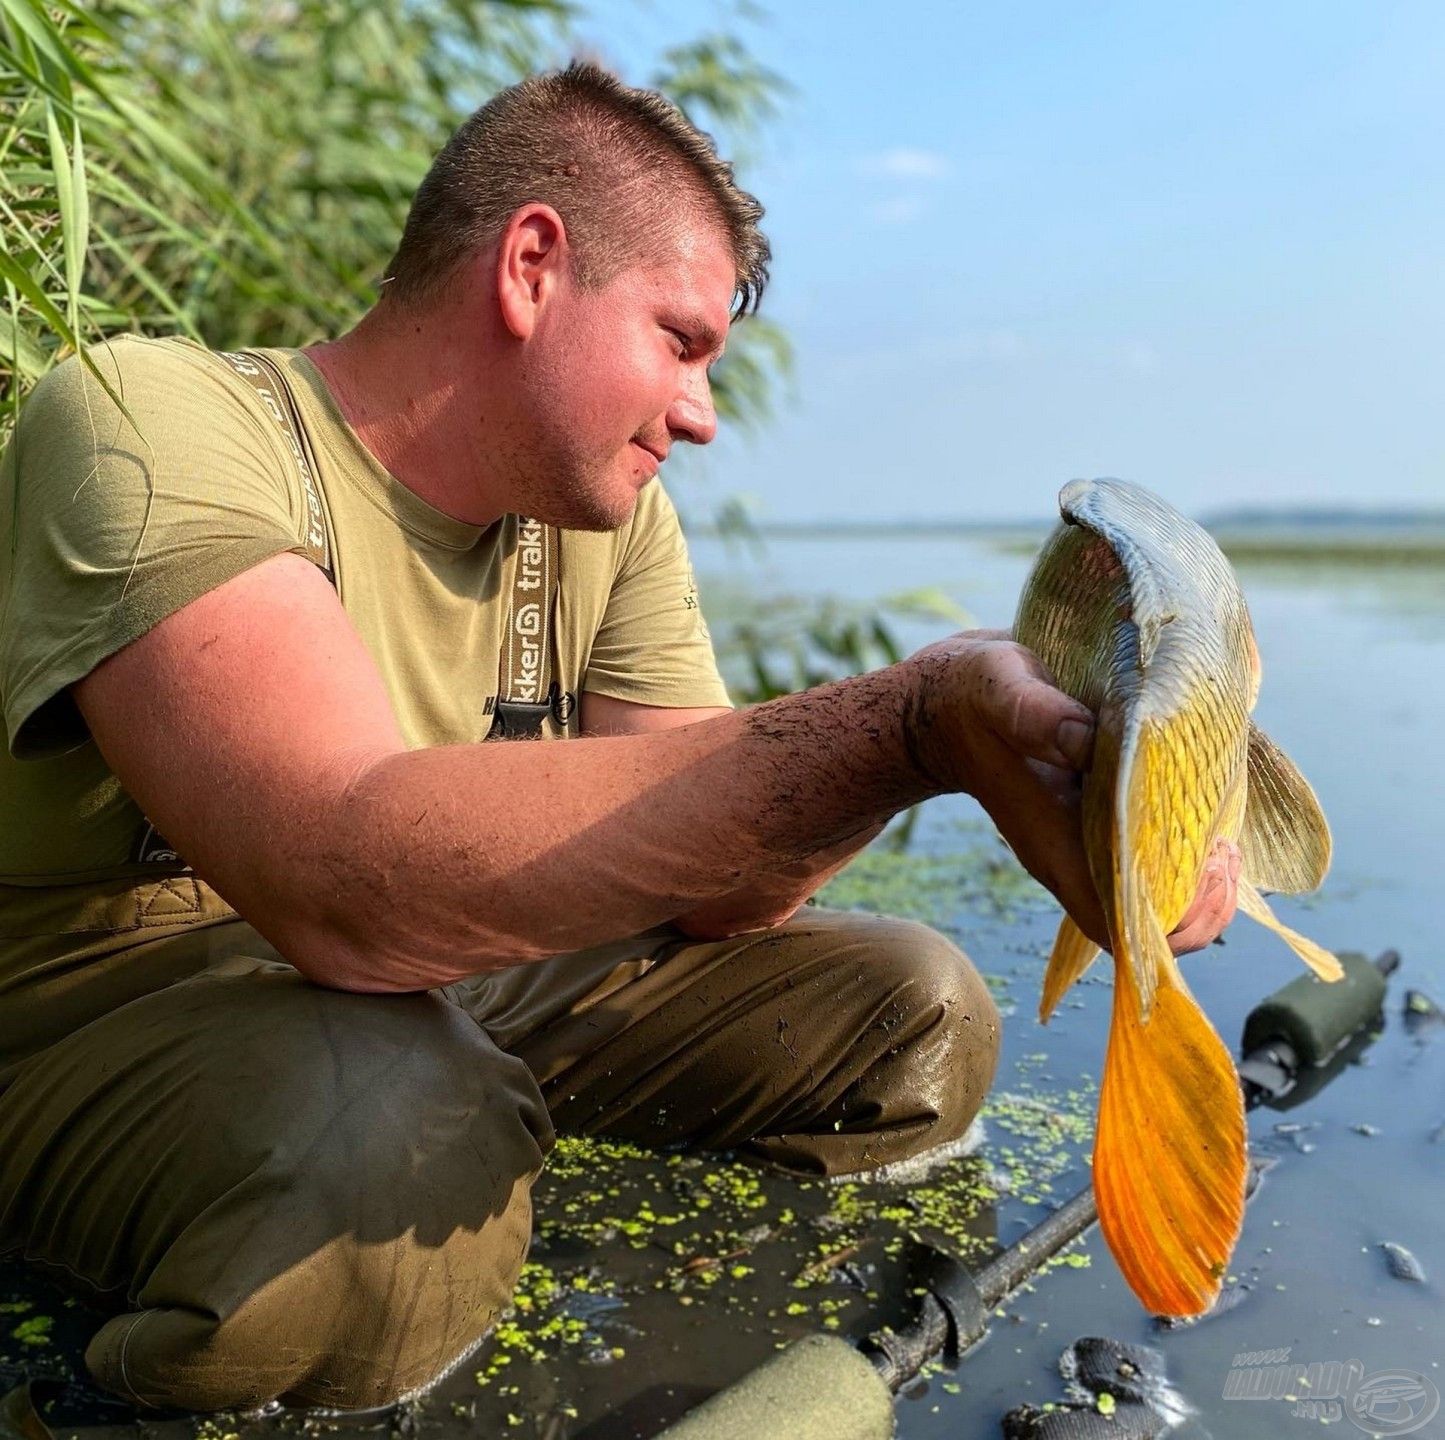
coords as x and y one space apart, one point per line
1285 842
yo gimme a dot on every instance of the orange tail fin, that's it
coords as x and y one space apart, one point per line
1170 1153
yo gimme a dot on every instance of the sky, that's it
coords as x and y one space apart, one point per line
1196 245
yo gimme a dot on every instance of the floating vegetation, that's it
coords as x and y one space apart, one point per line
983 880
630 1243
34 1331
633 1247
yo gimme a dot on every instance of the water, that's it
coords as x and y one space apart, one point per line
1354 687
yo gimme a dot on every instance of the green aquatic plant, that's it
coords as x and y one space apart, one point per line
216 171
983 879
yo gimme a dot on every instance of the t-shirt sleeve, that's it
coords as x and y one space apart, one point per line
653 647
106 528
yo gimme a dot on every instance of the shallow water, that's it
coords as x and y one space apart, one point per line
642 1299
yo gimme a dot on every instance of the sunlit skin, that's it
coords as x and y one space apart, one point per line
524 391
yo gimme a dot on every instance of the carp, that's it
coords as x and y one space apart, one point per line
1137 614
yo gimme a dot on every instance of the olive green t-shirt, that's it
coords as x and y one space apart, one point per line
106 530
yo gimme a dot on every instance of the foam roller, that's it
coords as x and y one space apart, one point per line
819 1388
1316 1017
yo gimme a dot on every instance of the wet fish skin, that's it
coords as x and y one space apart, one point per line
1138 615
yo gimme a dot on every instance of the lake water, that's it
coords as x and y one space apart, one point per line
1354 690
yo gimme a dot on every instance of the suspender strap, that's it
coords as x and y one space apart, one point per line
150 846
270 386
528 693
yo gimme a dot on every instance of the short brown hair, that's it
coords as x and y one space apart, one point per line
613 161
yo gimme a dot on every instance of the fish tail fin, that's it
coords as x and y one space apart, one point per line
1325 965
1073 953
1170 1152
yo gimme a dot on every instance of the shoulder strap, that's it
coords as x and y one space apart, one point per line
528 693
274 393
150 847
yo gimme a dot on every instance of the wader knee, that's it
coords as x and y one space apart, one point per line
947 1028
302 1193
923 1046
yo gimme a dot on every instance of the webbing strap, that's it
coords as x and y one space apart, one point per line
528 693
270 386
150 847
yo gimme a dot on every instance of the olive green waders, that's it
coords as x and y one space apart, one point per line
285 1190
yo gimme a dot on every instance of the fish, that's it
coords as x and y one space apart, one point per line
1137 614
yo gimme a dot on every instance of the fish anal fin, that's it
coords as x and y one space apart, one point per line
1285 842
1073 953
1325 965
1170 1152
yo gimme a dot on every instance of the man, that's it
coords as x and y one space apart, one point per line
276 1084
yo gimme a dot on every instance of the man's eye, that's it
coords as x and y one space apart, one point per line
682 341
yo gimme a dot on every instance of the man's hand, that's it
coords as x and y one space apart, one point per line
1214 901
989 720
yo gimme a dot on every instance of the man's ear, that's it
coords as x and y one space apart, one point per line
532 258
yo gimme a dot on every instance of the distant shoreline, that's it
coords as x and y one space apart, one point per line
1395 535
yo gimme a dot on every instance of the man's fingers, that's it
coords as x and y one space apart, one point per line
1041 822
1037 720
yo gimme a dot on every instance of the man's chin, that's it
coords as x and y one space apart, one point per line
596 513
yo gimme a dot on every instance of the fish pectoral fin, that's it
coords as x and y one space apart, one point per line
1073 953
1325 965
1170 1154
1285 841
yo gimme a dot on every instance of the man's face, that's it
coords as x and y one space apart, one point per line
614 376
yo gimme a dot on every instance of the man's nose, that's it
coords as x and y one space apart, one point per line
692 416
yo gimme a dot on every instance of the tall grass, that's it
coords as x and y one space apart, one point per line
239 170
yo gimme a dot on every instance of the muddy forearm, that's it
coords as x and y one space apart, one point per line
774 897
445 862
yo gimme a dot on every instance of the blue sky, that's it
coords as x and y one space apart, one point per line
1201 246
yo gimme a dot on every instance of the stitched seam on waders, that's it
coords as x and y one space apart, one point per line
193 903
124 1346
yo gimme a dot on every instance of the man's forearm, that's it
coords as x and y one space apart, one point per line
772 898
444 862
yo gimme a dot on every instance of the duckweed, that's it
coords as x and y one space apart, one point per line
34 1331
